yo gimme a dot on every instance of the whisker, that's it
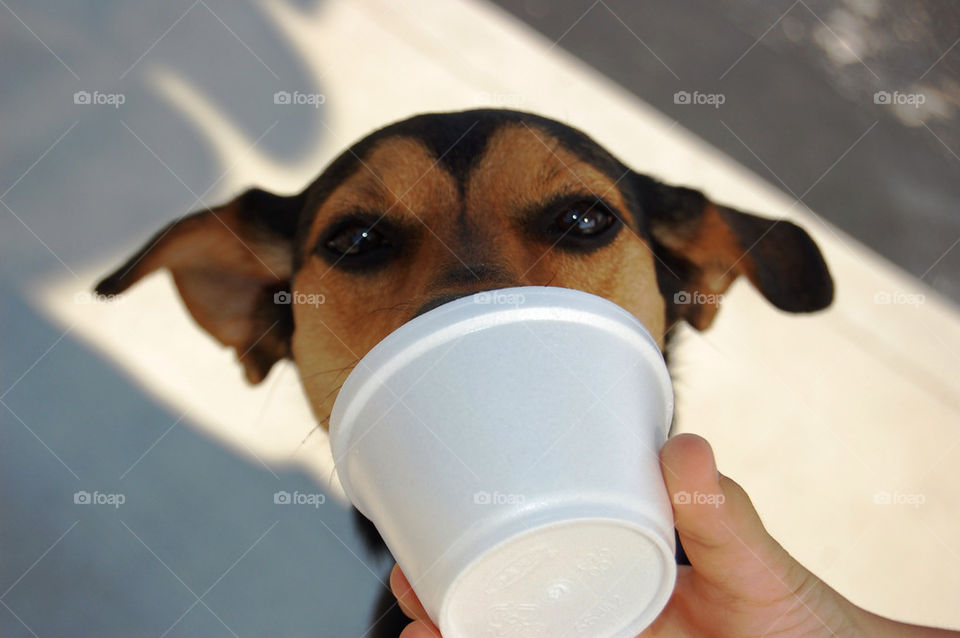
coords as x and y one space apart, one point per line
339 371
317 425
316 428
330 394
403 305
313 430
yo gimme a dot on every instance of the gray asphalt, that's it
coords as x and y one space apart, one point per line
797 100
198 521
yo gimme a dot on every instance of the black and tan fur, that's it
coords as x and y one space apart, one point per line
461 202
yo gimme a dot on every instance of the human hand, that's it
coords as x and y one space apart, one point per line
741 582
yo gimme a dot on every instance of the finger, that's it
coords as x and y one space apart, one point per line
721 532
419 630
406 597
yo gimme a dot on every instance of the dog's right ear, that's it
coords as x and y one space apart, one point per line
228 263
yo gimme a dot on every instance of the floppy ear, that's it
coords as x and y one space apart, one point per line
228 263
703 247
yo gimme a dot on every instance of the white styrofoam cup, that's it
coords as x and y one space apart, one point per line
506 447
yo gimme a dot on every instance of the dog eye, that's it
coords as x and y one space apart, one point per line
355 240
585 221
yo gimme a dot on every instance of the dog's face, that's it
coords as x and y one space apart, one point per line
445 205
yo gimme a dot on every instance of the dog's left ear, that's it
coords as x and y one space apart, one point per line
701 247
228 263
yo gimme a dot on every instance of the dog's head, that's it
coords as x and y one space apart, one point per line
444 205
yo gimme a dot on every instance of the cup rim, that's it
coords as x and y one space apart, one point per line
640 523
466 315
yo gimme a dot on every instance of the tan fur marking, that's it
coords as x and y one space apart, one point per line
520 168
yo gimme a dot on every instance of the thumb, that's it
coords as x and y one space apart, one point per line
720 530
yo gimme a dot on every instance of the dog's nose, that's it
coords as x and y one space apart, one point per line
439 300
478 277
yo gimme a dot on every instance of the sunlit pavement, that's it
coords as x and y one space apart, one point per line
838 424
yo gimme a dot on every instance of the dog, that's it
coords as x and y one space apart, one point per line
444 205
